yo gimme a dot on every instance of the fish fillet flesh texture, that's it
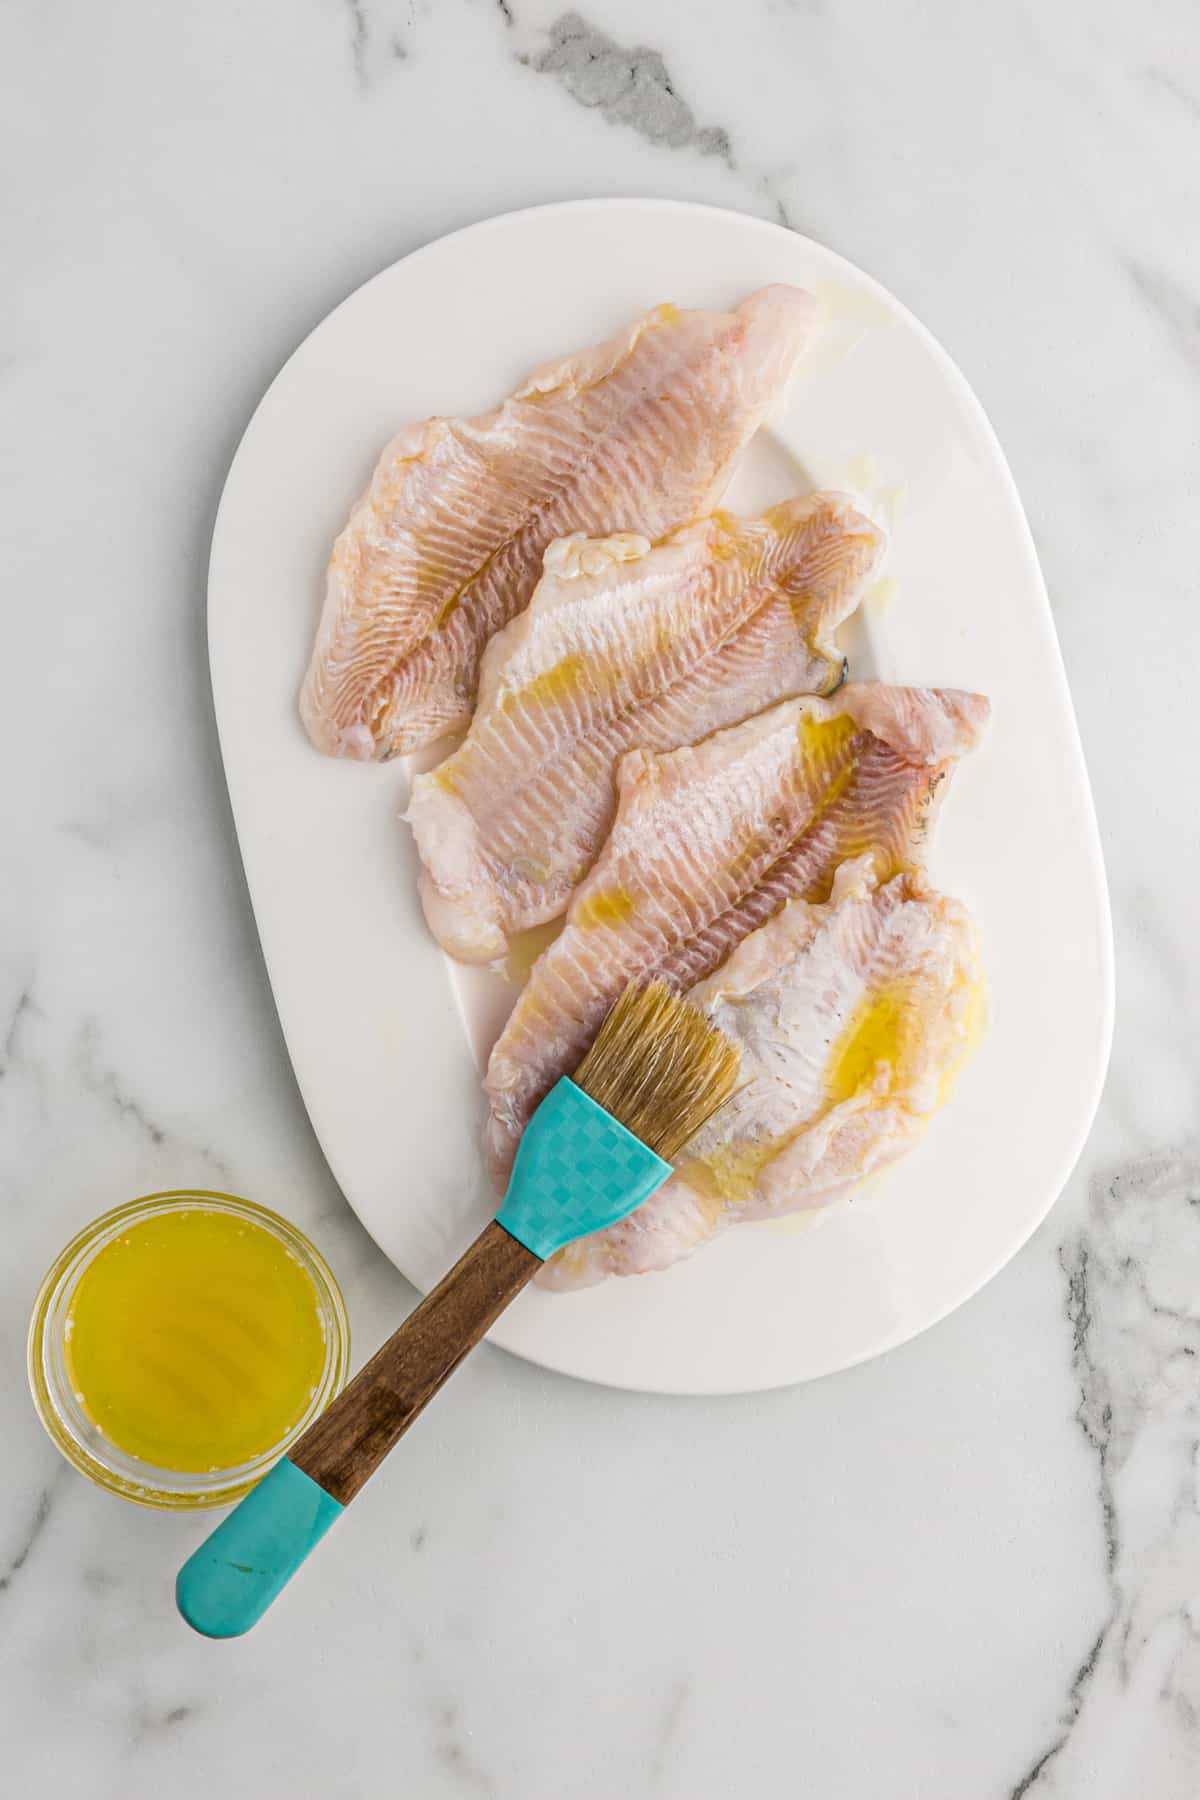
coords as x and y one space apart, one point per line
446 544
623 645
852 1017
708 843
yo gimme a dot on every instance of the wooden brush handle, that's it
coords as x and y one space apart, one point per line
351 1438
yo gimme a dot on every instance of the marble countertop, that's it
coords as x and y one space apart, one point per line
971 1568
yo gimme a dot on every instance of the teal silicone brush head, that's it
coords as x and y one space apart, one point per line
598 1145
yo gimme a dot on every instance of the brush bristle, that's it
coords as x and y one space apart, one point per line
659 1066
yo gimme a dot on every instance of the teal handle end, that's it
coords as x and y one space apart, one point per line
226 1585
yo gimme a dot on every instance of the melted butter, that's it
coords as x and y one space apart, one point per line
524 948
821 739
731 1172
608 906
793 1223
553 685
726 539
454 600
804 608
882 1029
834 790
886 1028
194 1340
974 1025
750 861
863 477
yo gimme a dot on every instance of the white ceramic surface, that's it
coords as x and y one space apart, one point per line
384 1032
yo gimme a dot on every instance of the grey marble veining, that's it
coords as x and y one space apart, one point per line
971 1568
630 86
1133 1301
376 43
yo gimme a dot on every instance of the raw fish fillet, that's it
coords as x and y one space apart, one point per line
623 645
708 843
852 1017
446 544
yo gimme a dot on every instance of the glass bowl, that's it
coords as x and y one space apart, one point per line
73 1431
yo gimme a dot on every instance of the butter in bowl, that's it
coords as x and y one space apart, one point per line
181 1343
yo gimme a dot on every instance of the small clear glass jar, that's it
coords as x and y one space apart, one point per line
70 1427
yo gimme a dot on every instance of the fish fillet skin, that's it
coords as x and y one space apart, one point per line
852 1017
623 645
446 544
708 842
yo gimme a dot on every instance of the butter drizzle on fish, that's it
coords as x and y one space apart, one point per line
853 1017
708 842
623 645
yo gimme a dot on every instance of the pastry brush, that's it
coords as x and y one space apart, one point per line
598 1145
